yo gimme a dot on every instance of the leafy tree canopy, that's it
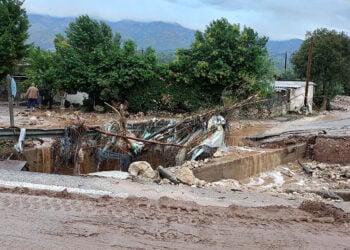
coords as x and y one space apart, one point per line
330 62
13 34
42 68
222 56
92 60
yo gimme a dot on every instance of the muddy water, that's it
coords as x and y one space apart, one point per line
237 137
46 159
57 222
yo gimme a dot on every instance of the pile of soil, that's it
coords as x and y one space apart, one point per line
320 209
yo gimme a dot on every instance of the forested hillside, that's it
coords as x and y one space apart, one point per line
165 38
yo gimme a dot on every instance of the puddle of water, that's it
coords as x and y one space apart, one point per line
267 180
237 137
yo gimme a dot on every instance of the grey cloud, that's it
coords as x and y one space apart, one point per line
293 14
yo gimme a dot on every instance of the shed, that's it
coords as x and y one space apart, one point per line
296 91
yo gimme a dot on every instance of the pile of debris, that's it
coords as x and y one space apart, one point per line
192 138
302 180
117 144
341 102
335 175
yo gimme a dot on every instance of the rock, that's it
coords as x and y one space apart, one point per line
143 169
99 108
218 154
346 171
186 176
33 120
287 172
165 181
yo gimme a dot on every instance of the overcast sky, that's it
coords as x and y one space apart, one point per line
277 19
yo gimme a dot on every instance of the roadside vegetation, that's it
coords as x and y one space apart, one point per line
330 63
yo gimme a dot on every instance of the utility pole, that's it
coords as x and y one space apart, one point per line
285 62
10 98
308 69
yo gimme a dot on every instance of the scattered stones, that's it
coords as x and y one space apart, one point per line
195 164
228 183
341 103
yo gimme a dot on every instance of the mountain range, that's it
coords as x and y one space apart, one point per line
161 36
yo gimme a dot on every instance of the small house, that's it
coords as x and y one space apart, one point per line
296 92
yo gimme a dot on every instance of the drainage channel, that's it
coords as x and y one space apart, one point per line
241 167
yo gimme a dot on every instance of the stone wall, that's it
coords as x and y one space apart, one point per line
273 106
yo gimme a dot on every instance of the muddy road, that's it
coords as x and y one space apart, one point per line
51 221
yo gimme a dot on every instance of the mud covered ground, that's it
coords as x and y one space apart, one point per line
48 220
36 220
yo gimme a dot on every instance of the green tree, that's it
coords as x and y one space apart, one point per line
42 67
13 34
84 58
222 56
90 59
330 63
42 71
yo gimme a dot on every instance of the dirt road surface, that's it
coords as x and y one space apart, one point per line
37 221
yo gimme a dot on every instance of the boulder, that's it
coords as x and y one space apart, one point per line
142 169
186 176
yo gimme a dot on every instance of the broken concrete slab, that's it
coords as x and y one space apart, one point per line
13 165
112 174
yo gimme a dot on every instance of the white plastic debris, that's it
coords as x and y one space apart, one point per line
19 145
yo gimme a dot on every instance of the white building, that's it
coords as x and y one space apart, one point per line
296 91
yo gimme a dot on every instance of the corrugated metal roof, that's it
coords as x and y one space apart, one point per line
291 84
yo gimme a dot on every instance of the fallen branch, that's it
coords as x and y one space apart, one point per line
115 110
136 139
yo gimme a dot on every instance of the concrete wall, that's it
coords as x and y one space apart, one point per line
297 98
332 149
249 166
39 159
